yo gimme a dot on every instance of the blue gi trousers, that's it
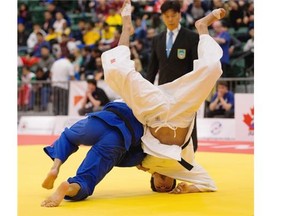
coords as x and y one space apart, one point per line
108 150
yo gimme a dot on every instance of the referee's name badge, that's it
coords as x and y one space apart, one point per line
181 53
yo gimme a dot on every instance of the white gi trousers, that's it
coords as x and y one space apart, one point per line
170 105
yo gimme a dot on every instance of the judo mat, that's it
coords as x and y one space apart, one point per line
126 191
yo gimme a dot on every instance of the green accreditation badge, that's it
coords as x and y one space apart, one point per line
181 53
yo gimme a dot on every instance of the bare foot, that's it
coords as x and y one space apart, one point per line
48 183
56 198
126 11
206 21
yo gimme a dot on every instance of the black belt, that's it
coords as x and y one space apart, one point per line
183 162
127 123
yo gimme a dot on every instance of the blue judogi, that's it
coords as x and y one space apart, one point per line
114 142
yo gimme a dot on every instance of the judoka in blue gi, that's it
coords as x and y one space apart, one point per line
114 135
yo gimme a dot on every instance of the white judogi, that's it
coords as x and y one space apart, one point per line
170 105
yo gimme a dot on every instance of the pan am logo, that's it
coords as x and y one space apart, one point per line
216 128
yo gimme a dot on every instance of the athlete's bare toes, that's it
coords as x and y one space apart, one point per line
56 198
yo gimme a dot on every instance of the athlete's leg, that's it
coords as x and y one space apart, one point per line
86 131
99 160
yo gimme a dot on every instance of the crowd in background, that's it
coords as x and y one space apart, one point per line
80 31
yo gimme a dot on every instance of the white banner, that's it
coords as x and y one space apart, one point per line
244 117
36 125
216 128
62 122
76 95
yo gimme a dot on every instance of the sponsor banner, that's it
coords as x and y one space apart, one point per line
62 122
76 95
244 117
216 129
36 125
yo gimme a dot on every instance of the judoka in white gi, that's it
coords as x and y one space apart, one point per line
167 111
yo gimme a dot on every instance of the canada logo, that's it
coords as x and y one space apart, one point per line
249 121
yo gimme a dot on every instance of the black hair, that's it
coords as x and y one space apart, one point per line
92 81
39 33
154 188
225 23
87 49
171 5
71 57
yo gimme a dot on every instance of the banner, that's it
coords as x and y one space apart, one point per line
215 129
76 95
244 117
61 122
201 111
36 125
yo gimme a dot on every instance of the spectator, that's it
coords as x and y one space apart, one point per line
114 19
59 25
77 63
41 91
94 99
40 43
54 9
141 54
24 16
90 36
222 102
78 34
107 34
22 35
249 50
48 21
32 40
46 61
249 15
135 57
61 72
63 45
99 67
236 15
196 11
66 29
223 38
140 28
106 46
24 94
51 37
88 65
102 8
117 5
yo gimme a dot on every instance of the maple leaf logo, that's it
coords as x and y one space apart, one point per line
249 120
